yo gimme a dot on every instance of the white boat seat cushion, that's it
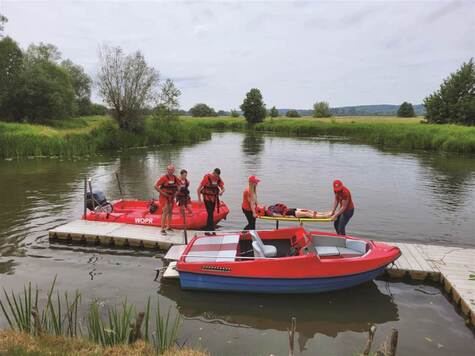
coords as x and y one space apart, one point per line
261 250
327 250
348 251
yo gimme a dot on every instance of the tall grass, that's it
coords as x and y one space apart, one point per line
114 325
89 135
383 132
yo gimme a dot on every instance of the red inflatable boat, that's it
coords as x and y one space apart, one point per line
139 212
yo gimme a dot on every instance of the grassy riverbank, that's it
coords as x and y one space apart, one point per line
19 344
382 131
89 135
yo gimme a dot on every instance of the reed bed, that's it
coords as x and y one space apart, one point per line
111 326
383 132
88 136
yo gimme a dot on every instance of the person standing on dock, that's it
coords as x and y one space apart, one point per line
183 195
249 203
211 188
167 187
346 209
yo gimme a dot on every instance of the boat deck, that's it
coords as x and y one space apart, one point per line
452 267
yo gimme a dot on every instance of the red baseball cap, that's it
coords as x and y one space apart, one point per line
254 179
337 185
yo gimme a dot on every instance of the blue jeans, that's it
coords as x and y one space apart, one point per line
342 220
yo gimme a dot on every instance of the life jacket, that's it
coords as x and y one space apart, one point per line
211 188
279 209
183 195
170 186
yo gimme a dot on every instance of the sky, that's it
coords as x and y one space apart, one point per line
295 52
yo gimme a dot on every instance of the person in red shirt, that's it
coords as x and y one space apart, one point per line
183 195
167 187
211 188
345 206
249 203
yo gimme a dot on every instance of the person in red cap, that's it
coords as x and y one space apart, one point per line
249 203
211 188
167 187
345 206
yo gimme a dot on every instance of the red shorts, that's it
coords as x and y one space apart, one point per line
163 200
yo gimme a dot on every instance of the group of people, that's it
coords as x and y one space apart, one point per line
171 188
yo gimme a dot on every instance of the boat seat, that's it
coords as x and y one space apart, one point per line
357 245
261 250
328 241
348 252
327 250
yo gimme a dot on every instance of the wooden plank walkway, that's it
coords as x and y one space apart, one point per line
451 266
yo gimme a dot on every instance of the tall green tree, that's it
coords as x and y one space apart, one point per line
44 92
11 65
321 109
128 85
406 110
81 83
253 107
454 102
169 104
202 110
234 113
43 52
273 112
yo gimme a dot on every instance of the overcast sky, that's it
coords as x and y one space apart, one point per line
296 52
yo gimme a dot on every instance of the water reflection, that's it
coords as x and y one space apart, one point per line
253 143
328 314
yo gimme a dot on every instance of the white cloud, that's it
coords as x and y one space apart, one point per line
344 52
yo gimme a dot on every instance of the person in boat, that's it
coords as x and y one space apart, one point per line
281 210
183 195
167 187
249 203
344 203
211 188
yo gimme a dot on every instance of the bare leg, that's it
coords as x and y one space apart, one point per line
169 214
306 213
164 217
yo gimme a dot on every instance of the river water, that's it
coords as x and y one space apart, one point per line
399 196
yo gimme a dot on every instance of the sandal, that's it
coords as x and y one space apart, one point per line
164 232
169 229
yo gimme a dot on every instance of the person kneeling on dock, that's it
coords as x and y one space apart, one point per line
167 187
281 210
211 187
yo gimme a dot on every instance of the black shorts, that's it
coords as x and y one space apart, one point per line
290 212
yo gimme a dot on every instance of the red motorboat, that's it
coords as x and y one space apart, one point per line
146 212
288 260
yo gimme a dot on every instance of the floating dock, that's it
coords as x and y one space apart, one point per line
452 267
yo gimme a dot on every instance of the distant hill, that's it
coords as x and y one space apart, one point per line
362 110
358 110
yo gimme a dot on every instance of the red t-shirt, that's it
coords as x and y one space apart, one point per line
345 195
210 180
245 199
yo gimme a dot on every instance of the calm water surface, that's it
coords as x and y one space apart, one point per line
400 196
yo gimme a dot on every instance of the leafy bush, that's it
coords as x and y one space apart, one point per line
253 107
454 102
202 110
292 113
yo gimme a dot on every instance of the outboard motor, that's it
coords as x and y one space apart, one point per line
99 204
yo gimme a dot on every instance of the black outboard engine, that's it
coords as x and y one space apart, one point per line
100 202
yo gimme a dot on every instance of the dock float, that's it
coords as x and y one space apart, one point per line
452 267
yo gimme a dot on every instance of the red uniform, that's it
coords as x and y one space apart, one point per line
245 199
169 185
211 186
345 195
